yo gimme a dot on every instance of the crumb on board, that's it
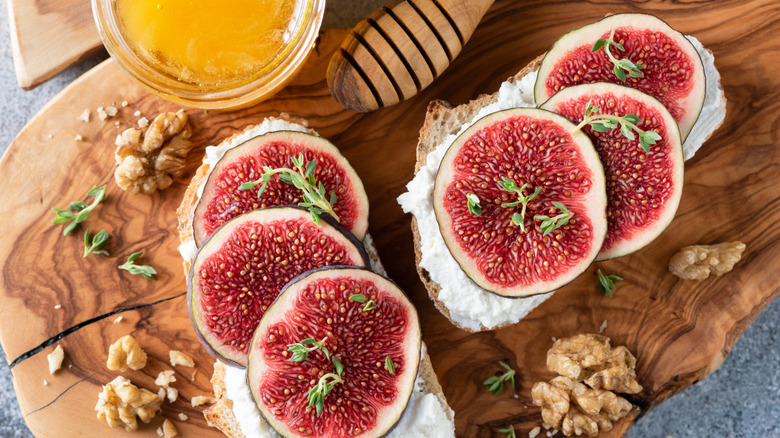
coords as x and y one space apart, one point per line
143 122
124 103
183 416
118 319
55 359
84 116
58 306
78 137
137 113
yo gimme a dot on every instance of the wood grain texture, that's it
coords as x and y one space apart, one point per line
48 36
399 50
680 331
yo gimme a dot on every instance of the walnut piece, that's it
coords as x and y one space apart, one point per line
202 400
169 430
581 400
589 357
179 358
55 359
697 262
121 402
149 161
124 353
165 378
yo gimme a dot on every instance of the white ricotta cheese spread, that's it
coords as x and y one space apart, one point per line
469 305
424 416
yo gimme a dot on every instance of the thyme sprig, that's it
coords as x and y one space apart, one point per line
78 211
510 186
360 298
550 224
472 201
607 282
325 385
621 66
300 351
496 383
627 123
130 266
98 240
509 431
315 199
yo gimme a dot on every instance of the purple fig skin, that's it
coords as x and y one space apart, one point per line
330 221
337 268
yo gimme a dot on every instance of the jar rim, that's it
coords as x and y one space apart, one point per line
261 84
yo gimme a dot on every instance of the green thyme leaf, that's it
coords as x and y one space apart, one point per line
98 240
472 201
300 351
607 282
324 386
509 185
496 383
358 298
131 267
78 211
509 431
550 224
621 66
389 365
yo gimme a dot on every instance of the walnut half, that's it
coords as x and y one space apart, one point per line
121 402
696 262
124 353
149 161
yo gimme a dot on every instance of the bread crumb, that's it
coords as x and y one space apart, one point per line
58 306
165 378
50 136
603 327
118 319
202 400
78 137
111 111
183 416
137 113
179 358
534 432
101 113
143 122
55 359
45 383
173 393
159 431
116 124
84 117
124 103
169 430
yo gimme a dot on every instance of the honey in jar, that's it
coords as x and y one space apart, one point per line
208 43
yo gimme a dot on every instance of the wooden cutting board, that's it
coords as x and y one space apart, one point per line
48 36
681 331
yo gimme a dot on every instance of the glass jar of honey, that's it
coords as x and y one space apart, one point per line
213 54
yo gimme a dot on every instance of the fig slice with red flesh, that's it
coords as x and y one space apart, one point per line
240 270
221 200
531 147
673 71
643 188
371 397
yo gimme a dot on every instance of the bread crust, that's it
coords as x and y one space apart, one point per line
442 120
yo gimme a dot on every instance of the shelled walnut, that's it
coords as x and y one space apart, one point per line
121 402
697 262
149 161
590 358
124 353
581 400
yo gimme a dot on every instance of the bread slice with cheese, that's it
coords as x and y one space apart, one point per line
454 294
430 401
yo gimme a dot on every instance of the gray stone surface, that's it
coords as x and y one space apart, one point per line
741 399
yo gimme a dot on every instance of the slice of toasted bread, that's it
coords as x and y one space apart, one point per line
442 120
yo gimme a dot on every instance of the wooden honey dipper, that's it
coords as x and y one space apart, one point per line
399 49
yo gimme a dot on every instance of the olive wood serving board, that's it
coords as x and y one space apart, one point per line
48 36
680 331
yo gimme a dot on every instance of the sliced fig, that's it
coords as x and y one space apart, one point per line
673 72
221 200
643 188
536 149
240 270
378 347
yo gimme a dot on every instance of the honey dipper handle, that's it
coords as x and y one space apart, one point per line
399 49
